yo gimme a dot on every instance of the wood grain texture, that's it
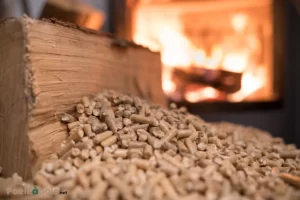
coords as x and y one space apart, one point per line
61 65
13 104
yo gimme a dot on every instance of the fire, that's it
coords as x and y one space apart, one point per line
200 94
165 32
239 22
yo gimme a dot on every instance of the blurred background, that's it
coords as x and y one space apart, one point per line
231 60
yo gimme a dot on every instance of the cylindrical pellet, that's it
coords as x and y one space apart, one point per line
109 141
144 120
102 136
68 146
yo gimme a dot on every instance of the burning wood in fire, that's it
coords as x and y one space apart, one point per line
204 59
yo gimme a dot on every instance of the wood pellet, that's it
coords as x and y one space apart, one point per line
121 147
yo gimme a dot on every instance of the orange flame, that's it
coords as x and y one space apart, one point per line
165 33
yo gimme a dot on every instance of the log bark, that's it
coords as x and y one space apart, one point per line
45 68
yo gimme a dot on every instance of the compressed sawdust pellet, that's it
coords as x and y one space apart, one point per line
121 147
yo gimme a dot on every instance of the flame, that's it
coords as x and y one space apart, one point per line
165 33
236 61
175 48
168 85
239 22
214 61
201 94
250 84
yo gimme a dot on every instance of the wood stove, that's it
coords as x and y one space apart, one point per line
216 54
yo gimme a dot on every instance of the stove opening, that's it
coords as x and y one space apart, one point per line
211 50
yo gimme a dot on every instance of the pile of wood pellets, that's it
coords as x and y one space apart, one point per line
121 147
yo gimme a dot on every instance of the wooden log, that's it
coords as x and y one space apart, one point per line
45 68
225 81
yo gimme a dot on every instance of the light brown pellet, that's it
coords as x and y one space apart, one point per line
127 122
167 167
98 191
88 142
157 132
139 126
85 154
171 152
148 151
87 128
109 141
59 171
68 118
190 145
184 133
83 179
173 161
170 146
111 124
169 136
96 111
141 163
75 135
158 192
78 161
62 177
154 142
68 146
136 144
81 145
99 149
116 182
181 147
168 188
135 152
142 135
113 194
291 179
201 155
126 114
289 154
137 103
93 104
88 111
67 184
42 181
73 125
85 101
121 153
49 167
96 126
102 136
95 177
80 108
93 153
144 120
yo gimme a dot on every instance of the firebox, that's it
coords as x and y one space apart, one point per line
214 53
